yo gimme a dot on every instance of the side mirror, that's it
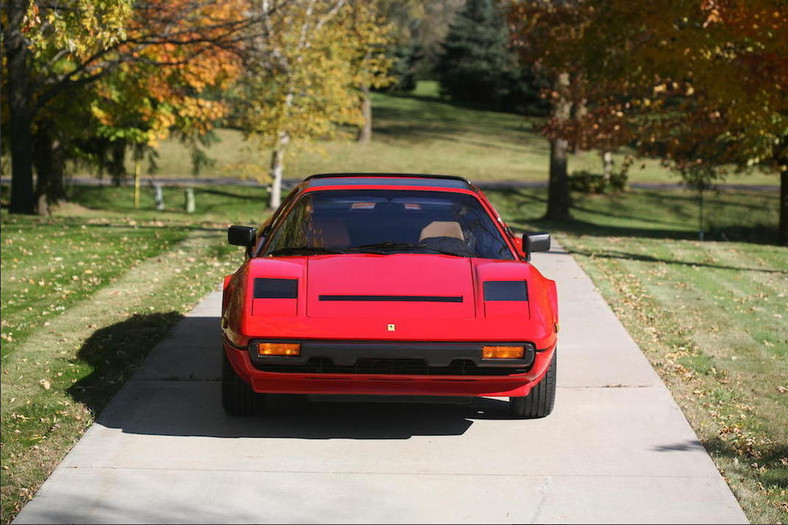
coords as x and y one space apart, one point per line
536 242
241 235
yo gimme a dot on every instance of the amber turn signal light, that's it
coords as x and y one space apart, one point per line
289 349
503 352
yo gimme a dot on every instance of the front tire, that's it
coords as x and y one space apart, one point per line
540 401
238 398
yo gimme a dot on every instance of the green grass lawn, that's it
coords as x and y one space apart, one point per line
86 294
417 133
711 319
709 315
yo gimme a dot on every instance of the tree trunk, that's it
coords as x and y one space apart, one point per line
20 112
783 240
579 112
365 131
277 168
50 167
559 199
117 164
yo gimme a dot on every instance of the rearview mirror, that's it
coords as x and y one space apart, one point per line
536 242
241 235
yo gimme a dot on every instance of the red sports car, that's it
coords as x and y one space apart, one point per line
388 284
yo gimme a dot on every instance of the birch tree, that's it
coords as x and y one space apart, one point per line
373 35
302 77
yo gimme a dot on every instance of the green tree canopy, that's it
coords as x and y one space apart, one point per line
476 65
697 83
305 74
83 78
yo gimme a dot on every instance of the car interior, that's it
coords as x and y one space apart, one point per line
339 222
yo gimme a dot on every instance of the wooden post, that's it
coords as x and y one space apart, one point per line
158 196
189 192
137 165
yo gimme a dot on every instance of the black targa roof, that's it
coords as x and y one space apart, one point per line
388 179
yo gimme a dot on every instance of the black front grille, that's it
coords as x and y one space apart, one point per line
458 367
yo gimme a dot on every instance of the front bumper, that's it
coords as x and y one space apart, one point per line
390 368
392 357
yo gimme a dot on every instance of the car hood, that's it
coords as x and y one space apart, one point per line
422 297
403 286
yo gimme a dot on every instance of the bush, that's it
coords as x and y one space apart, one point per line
584 181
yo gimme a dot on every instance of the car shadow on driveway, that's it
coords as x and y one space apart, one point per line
193 408
177 392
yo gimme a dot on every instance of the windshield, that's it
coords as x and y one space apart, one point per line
388 221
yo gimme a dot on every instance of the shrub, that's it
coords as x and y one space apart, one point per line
584 181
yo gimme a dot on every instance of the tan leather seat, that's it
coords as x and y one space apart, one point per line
442 229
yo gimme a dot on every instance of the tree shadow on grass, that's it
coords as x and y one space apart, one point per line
241 194
530 207
764 456
114 353
437 100
754 234
717 448
614 254
208 198
524 210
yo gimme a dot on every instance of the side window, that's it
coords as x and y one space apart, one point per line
480 231
268 226
293 230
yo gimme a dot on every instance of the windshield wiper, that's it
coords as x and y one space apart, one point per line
388 247
304 250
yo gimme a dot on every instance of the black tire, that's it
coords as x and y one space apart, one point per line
238 398
540 401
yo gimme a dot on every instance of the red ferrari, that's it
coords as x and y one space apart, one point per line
388 284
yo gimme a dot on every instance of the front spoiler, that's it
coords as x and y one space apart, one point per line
380 384
347 353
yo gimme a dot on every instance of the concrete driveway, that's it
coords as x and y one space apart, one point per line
617 448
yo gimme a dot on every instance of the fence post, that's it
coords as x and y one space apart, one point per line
189 192
137 166
158 196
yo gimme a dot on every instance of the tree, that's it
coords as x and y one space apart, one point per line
430 24
168 88
405 18
716 72
698 83
403 63
733 77
546 35
58 53
475 57
36 37
373 37
303 76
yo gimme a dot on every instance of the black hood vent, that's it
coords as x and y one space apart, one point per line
265 288
395 298
505 291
